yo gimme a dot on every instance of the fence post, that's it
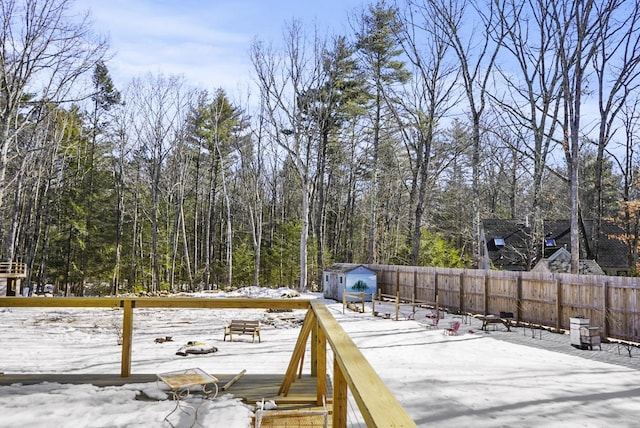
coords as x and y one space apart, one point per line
373 303
605 309
415 284
519 299
435 285
397 304
397 281
461 307
486 294
558 305
362 297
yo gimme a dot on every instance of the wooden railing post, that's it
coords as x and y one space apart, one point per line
314 350
339 397
321 364
127 336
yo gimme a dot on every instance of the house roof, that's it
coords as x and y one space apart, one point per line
517 248
560 262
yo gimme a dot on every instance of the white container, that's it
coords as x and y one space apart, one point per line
574 330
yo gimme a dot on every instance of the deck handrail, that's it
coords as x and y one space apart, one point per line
13 269
376 403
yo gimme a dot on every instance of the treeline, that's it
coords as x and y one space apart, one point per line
386 145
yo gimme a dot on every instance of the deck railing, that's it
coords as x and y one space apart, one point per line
12 269
351 371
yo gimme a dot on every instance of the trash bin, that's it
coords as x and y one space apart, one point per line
574 330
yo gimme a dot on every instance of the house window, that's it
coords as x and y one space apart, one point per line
340 280
326 278
498 242
549 242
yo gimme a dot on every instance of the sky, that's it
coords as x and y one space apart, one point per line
207 42
477 378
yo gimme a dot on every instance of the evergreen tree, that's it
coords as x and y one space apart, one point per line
379 49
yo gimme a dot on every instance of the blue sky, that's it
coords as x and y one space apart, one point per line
206 41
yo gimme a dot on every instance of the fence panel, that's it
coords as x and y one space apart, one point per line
538 303
426 285
502 292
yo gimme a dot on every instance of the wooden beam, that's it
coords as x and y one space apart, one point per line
298 353
321 365
154 302
127 337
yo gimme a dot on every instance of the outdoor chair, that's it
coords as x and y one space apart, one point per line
453 328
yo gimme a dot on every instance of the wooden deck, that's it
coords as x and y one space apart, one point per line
250 388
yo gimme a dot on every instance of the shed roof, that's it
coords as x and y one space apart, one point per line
346 268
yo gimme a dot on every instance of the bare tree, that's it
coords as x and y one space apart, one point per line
285 81
576 38
120 165
617 69
159 104
630 167
44 52
476 48
532 100
431 99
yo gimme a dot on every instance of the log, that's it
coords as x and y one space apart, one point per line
234 380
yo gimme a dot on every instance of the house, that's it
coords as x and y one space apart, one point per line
351 279
560 262
508 245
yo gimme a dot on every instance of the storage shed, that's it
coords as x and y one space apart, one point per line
352 279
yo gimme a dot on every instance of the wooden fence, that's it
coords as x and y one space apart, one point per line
546 299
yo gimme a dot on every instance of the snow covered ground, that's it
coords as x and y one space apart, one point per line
477 378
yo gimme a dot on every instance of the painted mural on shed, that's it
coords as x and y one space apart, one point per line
339 279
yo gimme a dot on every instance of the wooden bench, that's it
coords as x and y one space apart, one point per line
240 327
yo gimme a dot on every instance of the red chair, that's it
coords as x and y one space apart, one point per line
453 328
432 319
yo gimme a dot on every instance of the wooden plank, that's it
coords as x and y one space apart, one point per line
251 387
155 302
321 365
298 353
233 380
